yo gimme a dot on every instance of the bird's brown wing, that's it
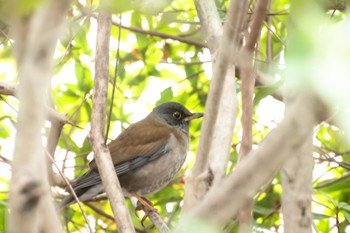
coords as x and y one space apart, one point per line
140 139
136 146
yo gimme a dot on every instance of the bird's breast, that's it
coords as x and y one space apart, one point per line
156 174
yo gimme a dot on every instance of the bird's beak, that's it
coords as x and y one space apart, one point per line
193 116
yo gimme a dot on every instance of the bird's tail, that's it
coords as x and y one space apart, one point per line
84 194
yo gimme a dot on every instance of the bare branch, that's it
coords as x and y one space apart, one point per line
260 165
257 22
158 222
52 141
297 189
98 120
162 35
31 205
248 83
7 88
210 23
71 190
12 89
297 184
221 106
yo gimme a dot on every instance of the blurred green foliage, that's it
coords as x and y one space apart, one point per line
153 69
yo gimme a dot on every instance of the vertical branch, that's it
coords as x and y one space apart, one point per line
297 189
98 120
210 23
247 91
36 35
52 141
248 83
221 106
269 47
297 171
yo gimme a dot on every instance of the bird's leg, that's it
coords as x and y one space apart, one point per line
145 205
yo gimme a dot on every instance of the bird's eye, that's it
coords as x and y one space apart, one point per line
177 115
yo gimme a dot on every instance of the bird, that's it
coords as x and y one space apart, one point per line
146 156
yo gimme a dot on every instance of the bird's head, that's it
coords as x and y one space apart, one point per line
175 114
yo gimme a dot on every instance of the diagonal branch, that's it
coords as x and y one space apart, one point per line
221 106
11 89
261 164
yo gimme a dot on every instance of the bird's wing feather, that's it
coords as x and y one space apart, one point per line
90 178
150 143
140 140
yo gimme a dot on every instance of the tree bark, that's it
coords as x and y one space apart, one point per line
32 209
297 189
221 107
248 83
98 122
225 199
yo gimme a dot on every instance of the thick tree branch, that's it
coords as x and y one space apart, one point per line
31 204
221 107
98 120
12 89
7 88
228 197
297 189
297 184
211 24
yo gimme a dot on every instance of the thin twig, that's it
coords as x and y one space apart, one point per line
114 82
99 211
150 32
332 182
71 190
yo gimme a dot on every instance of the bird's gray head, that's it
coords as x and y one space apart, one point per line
175 114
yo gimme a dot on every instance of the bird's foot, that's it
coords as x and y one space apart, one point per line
146 206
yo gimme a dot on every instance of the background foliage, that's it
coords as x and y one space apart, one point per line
162 57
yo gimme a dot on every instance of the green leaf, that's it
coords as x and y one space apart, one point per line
344 206
262 92
167 95
84 77
153 55
333 138
263 210
346 215
337 185
142 39
67 142
3 218
317 216
4 132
